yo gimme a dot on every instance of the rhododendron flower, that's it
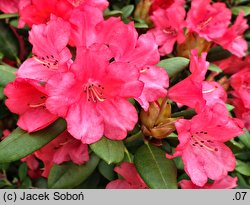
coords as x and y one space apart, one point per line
201 144
233 39
132 179
189 91
160 4
9 6
213 93
62 149
33 166
100 4
233 64
141 52
37 12
226 182
168 27
27 98
208 20
93 97
241 83
50 52
241 111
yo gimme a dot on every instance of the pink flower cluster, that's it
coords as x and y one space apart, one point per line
91 92
210 21
85 69
202 138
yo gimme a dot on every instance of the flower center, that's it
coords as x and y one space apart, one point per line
197 140
47 61
40 103
169 30
204 23
94 92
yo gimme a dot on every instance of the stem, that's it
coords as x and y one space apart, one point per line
128 155
6 16
134 137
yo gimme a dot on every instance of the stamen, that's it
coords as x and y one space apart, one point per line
94 92
170 31
144 70
210 90
49 62
204 23
197 140
36 105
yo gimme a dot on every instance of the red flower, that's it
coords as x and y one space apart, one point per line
226 182
233 39
93 97
208 20
168 27
132 179
37 12
201 144
189 91
233 64
9 6
140 52
241 83
63 148
51 54
27 98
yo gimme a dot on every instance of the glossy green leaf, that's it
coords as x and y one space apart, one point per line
110 151
106 170
19 143
156 170
174 65
108 13
215 68
217 53
187 114
22 171
243 168
140 25
236 10
127 11
8 42
1 93
7 74
245 139
69 175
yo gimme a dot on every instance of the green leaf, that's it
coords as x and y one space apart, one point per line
9 45
127 11
1 93
217 53
110 151
107 13
19 143
106 170
141 25
156 170
215 68
243 168
174 65
8 74
245 139
6 16
69 175
22 171
236 10
229 107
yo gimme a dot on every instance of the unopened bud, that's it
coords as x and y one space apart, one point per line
157 121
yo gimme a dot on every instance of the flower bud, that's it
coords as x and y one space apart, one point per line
142 11
157 121
193 41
